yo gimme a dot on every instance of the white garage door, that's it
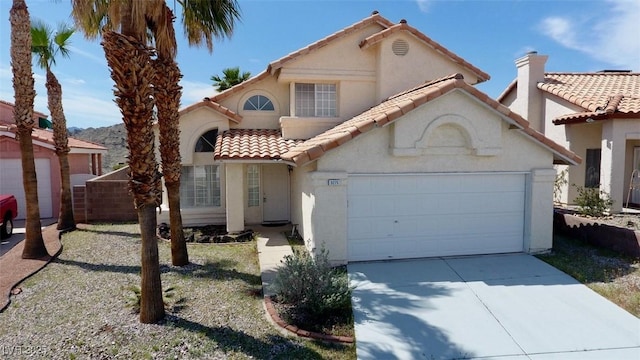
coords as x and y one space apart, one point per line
409 216
11 183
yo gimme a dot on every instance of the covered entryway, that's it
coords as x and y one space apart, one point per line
275 194
11 183
400 216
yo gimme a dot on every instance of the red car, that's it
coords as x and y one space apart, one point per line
8 212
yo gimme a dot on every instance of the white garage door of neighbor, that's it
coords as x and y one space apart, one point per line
11 183
410 216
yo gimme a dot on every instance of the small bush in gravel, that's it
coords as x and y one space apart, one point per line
592 201
311 285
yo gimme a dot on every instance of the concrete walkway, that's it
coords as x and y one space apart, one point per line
272 248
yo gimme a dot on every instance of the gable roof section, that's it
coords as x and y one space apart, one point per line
403 26
375 18
252 144
226 112
46 136
401 104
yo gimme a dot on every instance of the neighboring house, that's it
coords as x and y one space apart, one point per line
375 144
84 162
596 115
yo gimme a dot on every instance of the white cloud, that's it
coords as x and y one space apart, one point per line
562 30
88 55
610 37
194 91
424 5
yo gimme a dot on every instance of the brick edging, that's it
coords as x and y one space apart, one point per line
273 313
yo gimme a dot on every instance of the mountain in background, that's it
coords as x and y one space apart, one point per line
114 138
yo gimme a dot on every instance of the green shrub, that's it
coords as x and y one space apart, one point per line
592 201
311 285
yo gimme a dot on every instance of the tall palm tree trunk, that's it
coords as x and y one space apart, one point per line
23 114
167 93
61 140
131 70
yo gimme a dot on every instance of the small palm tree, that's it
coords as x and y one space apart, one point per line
46 45
24 93
230 77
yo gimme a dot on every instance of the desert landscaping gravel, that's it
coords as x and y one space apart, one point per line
78 306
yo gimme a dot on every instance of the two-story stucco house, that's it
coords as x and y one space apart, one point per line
374 142
595 114
85 162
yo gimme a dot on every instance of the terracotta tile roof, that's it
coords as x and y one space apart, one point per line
403 26
603 95
252 144
398 105
226 112
46 136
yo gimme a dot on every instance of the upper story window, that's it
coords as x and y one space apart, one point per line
259 103
207 141
316 100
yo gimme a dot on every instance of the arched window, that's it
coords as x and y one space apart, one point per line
207 142
259 103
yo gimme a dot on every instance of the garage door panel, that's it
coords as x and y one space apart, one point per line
11 183
404 216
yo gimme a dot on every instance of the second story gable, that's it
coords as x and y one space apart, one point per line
338 77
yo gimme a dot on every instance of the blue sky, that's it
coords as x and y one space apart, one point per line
578 36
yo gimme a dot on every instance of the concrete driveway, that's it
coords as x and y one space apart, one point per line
492 307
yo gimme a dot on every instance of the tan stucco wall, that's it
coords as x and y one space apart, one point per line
370 153
193 125
420 64
615 134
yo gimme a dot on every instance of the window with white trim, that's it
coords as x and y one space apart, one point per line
258 103
200 186
253 185
592 168
316 100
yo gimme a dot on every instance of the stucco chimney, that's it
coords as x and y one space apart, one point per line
529 101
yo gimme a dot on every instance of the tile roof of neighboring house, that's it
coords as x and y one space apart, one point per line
252 144
46 136
403 26
375 18
398 105
603 95
226 112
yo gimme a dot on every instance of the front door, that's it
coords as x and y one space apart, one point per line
275 193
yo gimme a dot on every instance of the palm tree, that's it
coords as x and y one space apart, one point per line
231 77
132 70
46 45
23 86
129 60
201 20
